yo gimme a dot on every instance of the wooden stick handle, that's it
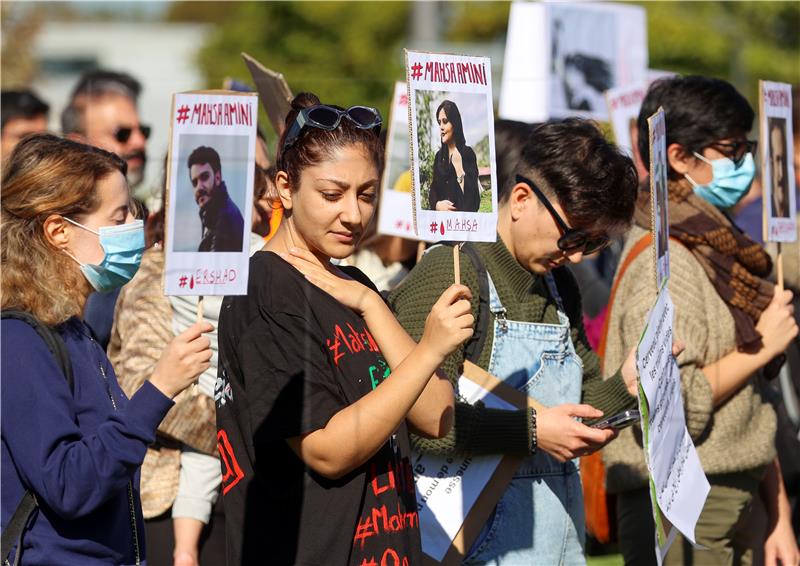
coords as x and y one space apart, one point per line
780 268
420 251
200 309
457 264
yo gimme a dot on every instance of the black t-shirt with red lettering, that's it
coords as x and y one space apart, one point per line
291 357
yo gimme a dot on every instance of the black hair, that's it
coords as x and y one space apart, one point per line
24 104
592 179
93 85
454 116
509 138
698 112
203 155
315 145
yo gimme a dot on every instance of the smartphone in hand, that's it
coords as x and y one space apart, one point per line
619 421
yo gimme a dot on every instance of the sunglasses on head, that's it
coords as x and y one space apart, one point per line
736 151
572 240
122 135
327 117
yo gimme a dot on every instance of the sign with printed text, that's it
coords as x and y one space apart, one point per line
678 485
211 169
396 206
658 194
623 111
561 58
777 151
452 147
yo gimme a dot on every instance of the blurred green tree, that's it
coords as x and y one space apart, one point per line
345 52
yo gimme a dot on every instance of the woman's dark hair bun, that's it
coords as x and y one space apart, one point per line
301 101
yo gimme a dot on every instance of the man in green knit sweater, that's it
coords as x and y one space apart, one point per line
564 191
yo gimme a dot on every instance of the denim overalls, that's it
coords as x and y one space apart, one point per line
539 520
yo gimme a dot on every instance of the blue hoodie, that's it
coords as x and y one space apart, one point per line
74 450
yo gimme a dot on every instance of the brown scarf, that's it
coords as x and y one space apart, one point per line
735 264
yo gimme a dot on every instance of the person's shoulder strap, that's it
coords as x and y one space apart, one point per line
475 344
640 246
52 340
12 534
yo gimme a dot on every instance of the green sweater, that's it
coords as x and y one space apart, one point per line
477 429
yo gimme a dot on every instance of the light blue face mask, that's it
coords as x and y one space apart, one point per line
729 184
123 246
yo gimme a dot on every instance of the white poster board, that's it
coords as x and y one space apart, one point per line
210 193
623 110
777 150
452 147
396 206
561 58
658 194
678 485
448 487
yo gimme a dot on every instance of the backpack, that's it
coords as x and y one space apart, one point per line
12 534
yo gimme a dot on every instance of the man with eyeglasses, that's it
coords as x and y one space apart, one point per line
223 225
564 192
102 112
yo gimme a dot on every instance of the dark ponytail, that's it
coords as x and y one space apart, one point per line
315 145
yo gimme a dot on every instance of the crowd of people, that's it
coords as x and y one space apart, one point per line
316 388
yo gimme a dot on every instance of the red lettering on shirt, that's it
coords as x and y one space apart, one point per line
231 471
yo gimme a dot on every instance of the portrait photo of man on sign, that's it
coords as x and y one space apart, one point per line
211 183
778 167
222 220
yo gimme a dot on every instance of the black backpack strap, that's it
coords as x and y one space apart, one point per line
475 344
53 340
15 529
12 534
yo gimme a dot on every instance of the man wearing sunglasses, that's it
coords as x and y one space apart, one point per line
223 225
564 192
102 112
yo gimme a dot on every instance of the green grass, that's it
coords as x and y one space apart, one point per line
607 560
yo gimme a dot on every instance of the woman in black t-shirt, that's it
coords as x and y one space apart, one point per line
317 378
455 185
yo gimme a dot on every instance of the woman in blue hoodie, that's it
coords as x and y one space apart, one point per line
67 229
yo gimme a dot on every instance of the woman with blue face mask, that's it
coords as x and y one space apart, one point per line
735 325
72 442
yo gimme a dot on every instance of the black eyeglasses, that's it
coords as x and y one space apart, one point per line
122 135
572 240
736 151
327 117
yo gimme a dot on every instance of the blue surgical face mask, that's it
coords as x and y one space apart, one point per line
729 184
123 246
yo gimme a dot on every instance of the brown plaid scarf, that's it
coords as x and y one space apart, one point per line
735 264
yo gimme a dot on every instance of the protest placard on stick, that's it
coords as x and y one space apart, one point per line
658 194
561 57
396 206
678 486
210 175
777 178
276 96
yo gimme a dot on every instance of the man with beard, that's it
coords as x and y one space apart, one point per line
780 173
223 225
102 112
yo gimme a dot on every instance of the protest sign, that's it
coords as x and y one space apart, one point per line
562 57
623 110
777 151
658 194
678 485
276 96
396 207
452 147
210 193
456 495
